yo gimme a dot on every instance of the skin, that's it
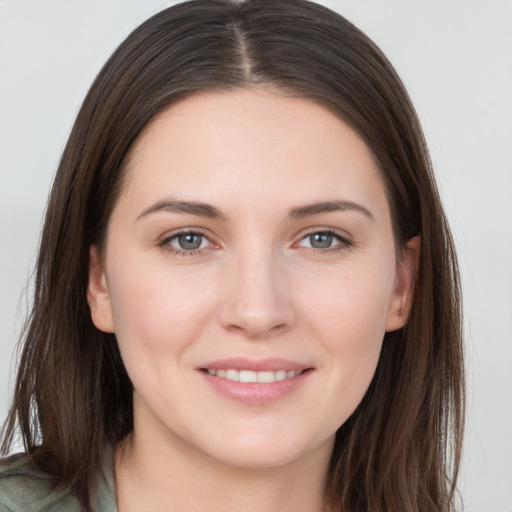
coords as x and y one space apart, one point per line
258 287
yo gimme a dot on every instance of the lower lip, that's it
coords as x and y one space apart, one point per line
255 393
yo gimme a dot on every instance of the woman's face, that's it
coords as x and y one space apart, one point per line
249 275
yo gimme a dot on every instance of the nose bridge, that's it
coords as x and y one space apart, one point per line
258 301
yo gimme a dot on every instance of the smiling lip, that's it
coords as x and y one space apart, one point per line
263 381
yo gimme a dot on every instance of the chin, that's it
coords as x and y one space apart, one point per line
255 452
258 459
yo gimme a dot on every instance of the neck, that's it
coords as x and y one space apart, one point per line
156 476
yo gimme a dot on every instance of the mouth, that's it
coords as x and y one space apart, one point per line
250 376
255 382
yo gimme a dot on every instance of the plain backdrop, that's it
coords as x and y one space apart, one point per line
455 58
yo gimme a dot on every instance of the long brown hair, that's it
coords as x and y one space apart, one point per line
400 449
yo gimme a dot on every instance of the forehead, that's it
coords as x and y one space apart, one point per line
251 144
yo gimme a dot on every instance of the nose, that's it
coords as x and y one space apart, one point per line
257 300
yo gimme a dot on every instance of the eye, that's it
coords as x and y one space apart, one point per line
186 243
324 241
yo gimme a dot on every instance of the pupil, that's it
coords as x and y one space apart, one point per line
321 240
190 241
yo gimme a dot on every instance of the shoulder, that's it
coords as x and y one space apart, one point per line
23 488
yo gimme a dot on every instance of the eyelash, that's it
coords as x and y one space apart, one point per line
166 243
342 245
343 242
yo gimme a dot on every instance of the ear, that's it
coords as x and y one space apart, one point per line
401 300
98 295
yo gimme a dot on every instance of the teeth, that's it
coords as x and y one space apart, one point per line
247 376
251 376
232 375
281 375
266 376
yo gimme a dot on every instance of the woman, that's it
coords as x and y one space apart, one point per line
246 296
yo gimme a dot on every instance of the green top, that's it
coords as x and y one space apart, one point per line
25 489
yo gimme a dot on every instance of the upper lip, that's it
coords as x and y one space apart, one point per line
256 365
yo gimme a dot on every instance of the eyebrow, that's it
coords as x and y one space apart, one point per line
211 212
328 206
190 207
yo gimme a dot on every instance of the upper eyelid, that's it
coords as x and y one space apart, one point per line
336 232
184 231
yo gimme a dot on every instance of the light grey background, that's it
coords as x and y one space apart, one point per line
455 58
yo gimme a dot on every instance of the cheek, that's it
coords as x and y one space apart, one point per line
158 316
349 318
156 312
353 306
353 333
